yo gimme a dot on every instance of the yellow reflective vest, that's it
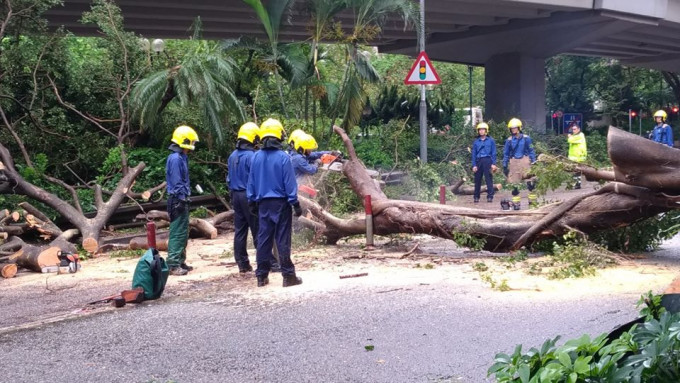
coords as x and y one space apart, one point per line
577 147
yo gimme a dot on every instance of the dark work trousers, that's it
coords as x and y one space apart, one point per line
275 224
243 220
178 210
484 169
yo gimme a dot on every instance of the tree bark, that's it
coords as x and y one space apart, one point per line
203 226
89 227
615 205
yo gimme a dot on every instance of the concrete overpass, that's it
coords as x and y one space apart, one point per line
510 38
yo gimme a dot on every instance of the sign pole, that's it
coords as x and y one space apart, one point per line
472 125
640 118
423 104
630 120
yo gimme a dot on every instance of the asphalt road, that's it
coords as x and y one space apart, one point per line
440 331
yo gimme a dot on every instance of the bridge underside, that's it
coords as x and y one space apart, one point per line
510 38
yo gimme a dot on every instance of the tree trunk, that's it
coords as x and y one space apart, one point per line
614 205
89 227
460 189
8 270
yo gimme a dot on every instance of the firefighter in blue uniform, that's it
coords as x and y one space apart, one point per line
272 191
518 156
304 158
483 161
237 179
662 132
178 188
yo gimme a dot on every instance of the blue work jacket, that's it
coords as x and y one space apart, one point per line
663 134
239 166
483 148
517 147
271 175
177 173
301 164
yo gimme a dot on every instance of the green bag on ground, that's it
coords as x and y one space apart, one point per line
151 274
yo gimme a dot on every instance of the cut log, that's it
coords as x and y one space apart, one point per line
460 189
204 226
33 210
140 243
8 270
90 245
16 216
12 245
47 228
36 258
13 229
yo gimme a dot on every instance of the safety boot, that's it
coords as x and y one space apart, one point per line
533 200
516 202
262 281
245 269
291 280
178 271
186 267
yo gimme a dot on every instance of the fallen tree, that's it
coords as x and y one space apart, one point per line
637 194
90 228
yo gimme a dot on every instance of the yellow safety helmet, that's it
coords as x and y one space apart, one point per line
515 123
296 136
661 113
185 136
309 143
249 132
272 128
483 125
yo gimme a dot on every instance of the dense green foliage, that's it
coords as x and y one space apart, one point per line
648 352
87 108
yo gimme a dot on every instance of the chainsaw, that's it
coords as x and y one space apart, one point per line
68 262
335 163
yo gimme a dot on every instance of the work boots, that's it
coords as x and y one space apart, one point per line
505 204
291 280
262 281
178 271
186 267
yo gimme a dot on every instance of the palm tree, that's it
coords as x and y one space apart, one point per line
348 100
271 15
204 76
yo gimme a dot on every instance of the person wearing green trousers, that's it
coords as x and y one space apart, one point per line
178 187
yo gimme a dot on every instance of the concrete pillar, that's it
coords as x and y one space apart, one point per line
515 87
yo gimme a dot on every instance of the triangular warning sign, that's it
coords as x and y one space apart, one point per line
422 72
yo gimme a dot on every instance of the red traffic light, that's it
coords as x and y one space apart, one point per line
675 109
554 115
633 113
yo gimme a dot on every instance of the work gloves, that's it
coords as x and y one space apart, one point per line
297 209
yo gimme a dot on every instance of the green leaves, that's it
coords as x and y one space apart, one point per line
647 353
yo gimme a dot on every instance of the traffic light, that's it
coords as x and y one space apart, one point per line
675 109
554 115
633 113
423 69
